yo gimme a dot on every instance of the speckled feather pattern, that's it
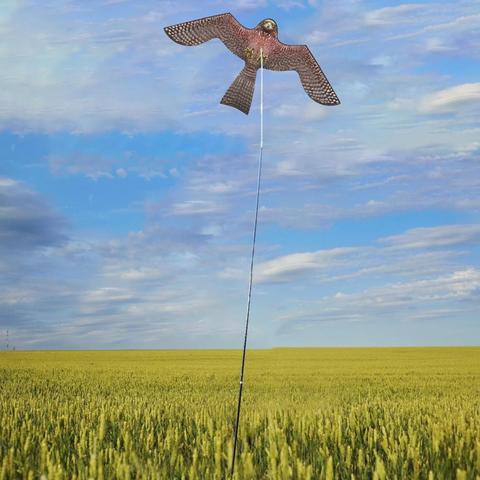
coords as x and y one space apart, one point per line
224 27
240 93
246 43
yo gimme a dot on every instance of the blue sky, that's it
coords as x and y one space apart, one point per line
127 190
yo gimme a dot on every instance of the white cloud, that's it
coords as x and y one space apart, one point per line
362 160
437 298
121 172
437 45
244 4
286 267
410 254
7 182
86 74
435 237
196 207
452 99
107 295
311 113
316 37
393 15
459 23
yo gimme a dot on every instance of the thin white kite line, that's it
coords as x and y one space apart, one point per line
254 239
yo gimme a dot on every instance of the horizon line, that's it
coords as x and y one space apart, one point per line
285 347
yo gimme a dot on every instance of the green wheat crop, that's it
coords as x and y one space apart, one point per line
396 413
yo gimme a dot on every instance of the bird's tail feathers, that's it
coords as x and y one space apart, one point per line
240 93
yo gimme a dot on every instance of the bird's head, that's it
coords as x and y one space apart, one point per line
268 26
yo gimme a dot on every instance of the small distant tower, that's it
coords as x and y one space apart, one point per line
7 341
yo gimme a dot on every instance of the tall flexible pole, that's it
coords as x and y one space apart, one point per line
249 300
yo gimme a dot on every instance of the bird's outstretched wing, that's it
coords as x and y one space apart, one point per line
224 26
314 81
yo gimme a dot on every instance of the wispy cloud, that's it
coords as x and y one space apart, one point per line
452 99
435 237
288 267
406 12
434 299
157 246
396 255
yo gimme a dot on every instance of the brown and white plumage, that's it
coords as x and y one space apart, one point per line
314 81
247 43
223 26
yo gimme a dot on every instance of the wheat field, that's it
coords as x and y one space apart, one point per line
373 413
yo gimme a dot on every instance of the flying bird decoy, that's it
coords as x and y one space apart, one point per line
247 43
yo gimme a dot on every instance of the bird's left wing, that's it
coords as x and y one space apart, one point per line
314 81
224 26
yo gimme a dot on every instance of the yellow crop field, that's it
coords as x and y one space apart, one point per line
373 413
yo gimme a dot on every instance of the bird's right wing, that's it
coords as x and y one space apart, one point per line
224 26
314 81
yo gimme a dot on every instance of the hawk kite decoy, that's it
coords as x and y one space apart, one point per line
246 44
